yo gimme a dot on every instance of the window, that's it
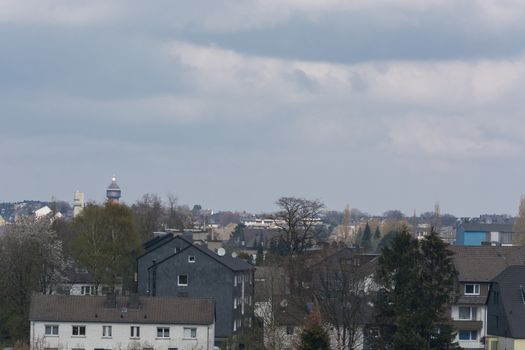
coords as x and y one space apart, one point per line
163 332
79 331
235 302
183 280
51 329
468 335
467 313
505 238
191 259
190 332
235 280
87 290
135 332
289 330
471 289
106 331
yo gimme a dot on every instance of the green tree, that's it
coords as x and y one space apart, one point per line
418 281
105 242
314 336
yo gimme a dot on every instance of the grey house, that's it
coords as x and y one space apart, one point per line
174 266
506 310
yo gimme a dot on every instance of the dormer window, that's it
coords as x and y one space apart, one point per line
191 259
471 289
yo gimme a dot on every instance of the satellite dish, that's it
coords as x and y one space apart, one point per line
234 255
284 303
221 252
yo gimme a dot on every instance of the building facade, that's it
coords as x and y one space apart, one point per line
174 266
60 322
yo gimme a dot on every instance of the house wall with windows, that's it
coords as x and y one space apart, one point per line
66 322
469 315
104 335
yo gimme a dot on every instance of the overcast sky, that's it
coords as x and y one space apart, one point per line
232 104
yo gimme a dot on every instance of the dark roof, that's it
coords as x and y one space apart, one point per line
163 310
234 264
511 283
488 227
483 263
154 242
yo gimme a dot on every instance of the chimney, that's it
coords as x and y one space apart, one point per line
111 301
133 302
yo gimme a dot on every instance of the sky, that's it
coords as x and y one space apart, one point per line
385 104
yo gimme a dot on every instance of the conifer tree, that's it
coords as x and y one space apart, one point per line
366 239
418 281
314 336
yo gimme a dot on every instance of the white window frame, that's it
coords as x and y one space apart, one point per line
79 328
87 290
475 286
163 332
470 335
182 284
134 332
107 331
190 332
191 259
52 328
473 313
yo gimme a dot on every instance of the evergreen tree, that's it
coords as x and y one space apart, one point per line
418 281
366 239
314 336
259 260
377 234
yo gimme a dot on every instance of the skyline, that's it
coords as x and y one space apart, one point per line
380 105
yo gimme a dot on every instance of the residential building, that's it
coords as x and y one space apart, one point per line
162 323
477 266
506 310
174 266
477 234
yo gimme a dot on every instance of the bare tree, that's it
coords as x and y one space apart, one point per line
31 261
340 290
519 225
297 219
148 214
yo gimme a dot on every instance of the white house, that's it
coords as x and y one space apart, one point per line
66 322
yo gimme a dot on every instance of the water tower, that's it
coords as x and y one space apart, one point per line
113 192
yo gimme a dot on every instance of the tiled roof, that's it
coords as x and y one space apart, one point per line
234 264
159 310
483 263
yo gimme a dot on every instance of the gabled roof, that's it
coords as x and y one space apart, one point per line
512 294
483 263
158 310
234 264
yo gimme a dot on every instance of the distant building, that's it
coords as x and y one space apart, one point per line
74 322
113 192
478 234
2 221
78 203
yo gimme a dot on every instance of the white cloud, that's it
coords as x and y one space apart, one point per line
65 12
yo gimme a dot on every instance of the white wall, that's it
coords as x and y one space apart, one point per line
120 337
481 316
